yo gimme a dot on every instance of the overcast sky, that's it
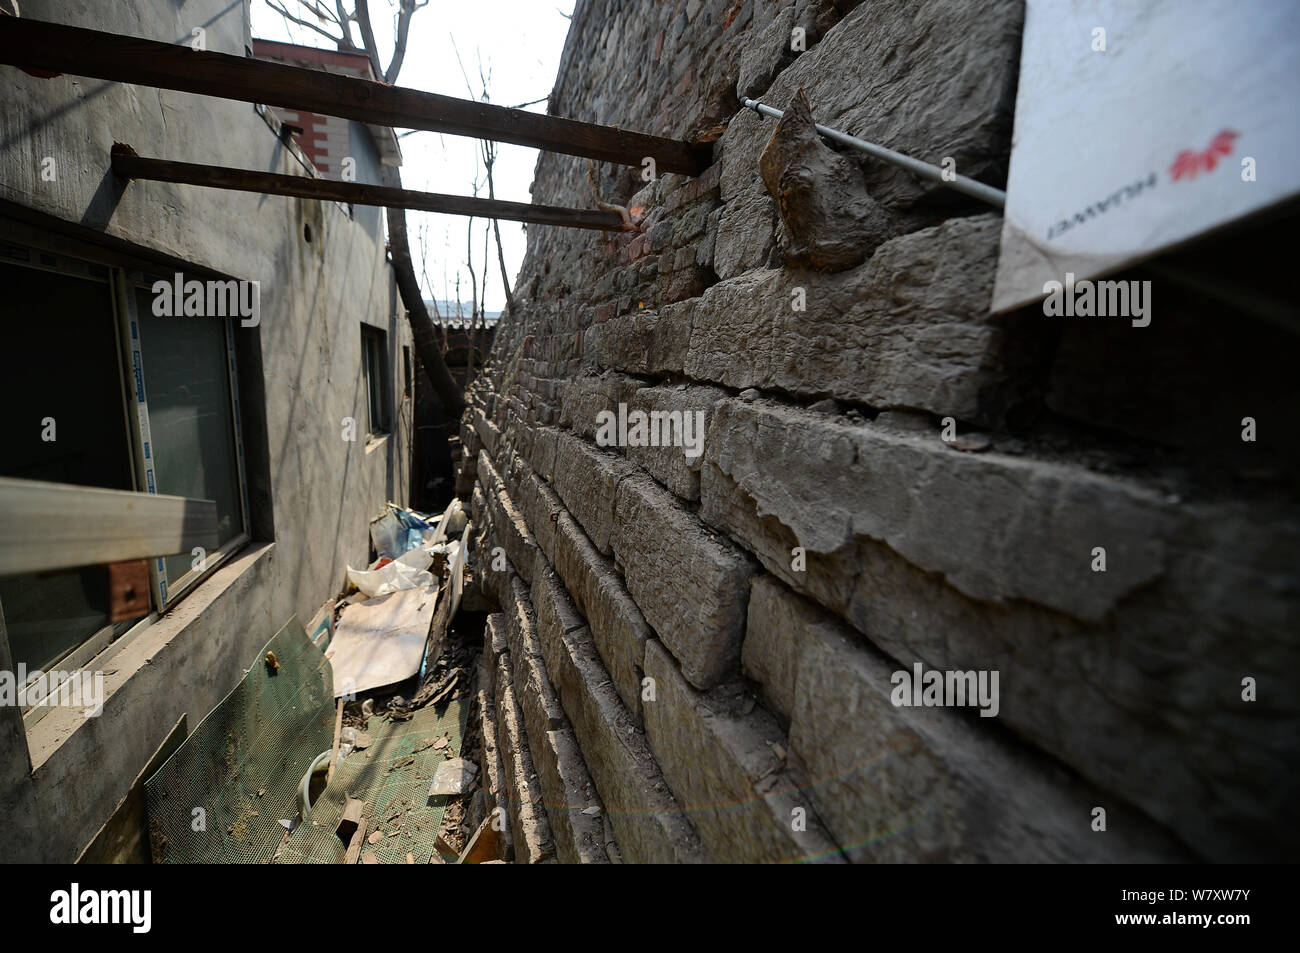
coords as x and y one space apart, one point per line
519 42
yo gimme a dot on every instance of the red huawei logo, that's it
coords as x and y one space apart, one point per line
1191 164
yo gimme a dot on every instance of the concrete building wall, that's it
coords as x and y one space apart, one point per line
708 647
323 275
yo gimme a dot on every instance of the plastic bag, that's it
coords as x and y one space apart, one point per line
417 559
450 524
455 519
393 577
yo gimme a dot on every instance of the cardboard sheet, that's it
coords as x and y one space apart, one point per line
381 641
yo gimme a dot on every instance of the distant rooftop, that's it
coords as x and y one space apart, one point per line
446 313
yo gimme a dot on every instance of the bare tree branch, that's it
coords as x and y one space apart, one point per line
488 152
284 12
406 11
501 255
321 13
456 49
362 15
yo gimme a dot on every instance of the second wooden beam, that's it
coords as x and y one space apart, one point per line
130 166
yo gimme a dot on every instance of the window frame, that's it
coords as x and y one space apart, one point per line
59 264
376 388
167 592
121 281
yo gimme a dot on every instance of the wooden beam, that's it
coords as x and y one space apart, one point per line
45 48
358 841
128 590
47 526
353 819
485 844
130 166
442 850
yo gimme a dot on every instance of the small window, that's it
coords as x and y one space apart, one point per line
407 379
374 373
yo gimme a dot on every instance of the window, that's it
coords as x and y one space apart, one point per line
374 351
108 394
407 379
70 425
190 406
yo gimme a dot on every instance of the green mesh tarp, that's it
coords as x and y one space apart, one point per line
393 777
220 798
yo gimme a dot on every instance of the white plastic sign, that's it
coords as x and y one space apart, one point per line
1141 124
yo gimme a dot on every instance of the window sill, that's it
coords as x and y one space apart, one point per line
100 659
46 736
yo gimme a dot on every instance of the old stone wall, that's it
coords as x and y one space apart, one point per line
694 658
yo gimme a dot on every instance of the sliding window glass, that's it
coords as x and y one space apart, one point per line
188 395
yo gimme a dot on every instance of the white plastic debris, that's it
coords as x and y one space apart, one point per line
443 548
453 776
455 519
347 742
394 576
450 524
418 559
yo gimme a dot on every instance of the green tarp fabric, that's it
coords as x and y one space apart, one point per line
221 797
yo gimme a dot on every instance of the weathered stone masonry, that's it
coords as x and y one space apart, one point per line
635 567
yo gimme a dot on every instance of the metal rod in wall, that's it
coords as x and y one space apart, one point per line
924 170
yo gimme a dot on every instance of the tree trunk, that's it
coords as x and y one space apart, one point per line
422 332
489 155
